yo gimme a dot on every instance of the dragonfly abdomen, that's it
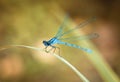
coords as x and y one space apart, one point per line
75 46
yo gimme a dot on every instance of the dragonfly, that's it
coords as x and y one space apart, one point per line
57 39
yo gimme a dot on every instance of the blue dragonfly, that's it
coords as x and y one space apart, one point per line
57 39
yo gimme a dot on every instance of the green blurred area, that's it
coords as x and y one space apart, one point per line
29 22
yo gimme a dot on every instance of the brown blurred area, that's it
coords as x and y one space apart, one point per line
25 22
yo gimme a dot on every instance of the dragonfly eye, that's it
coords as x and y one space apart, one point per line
46 43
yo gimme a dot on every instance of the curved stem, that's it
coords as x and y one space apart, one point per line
57 56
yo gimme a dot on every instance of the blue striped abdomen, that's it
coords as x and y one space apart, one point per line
75 46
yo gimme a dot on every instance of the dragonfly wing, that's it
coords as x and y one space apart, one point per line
90 36
60 30
81 25
75 46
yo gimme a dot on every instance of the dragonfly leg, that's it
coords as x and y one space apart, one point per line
46 49
50 49
54 47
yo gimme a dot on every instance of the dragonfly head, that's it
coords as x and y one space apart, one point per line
46 43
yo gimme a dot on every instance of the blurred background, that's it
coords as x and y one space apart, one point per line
29 22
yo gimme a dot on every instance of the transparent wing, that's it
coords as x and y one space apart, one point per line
90 36
60 30
81 25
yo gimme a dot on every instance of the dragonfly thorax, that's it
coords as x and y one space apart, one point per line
51 42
